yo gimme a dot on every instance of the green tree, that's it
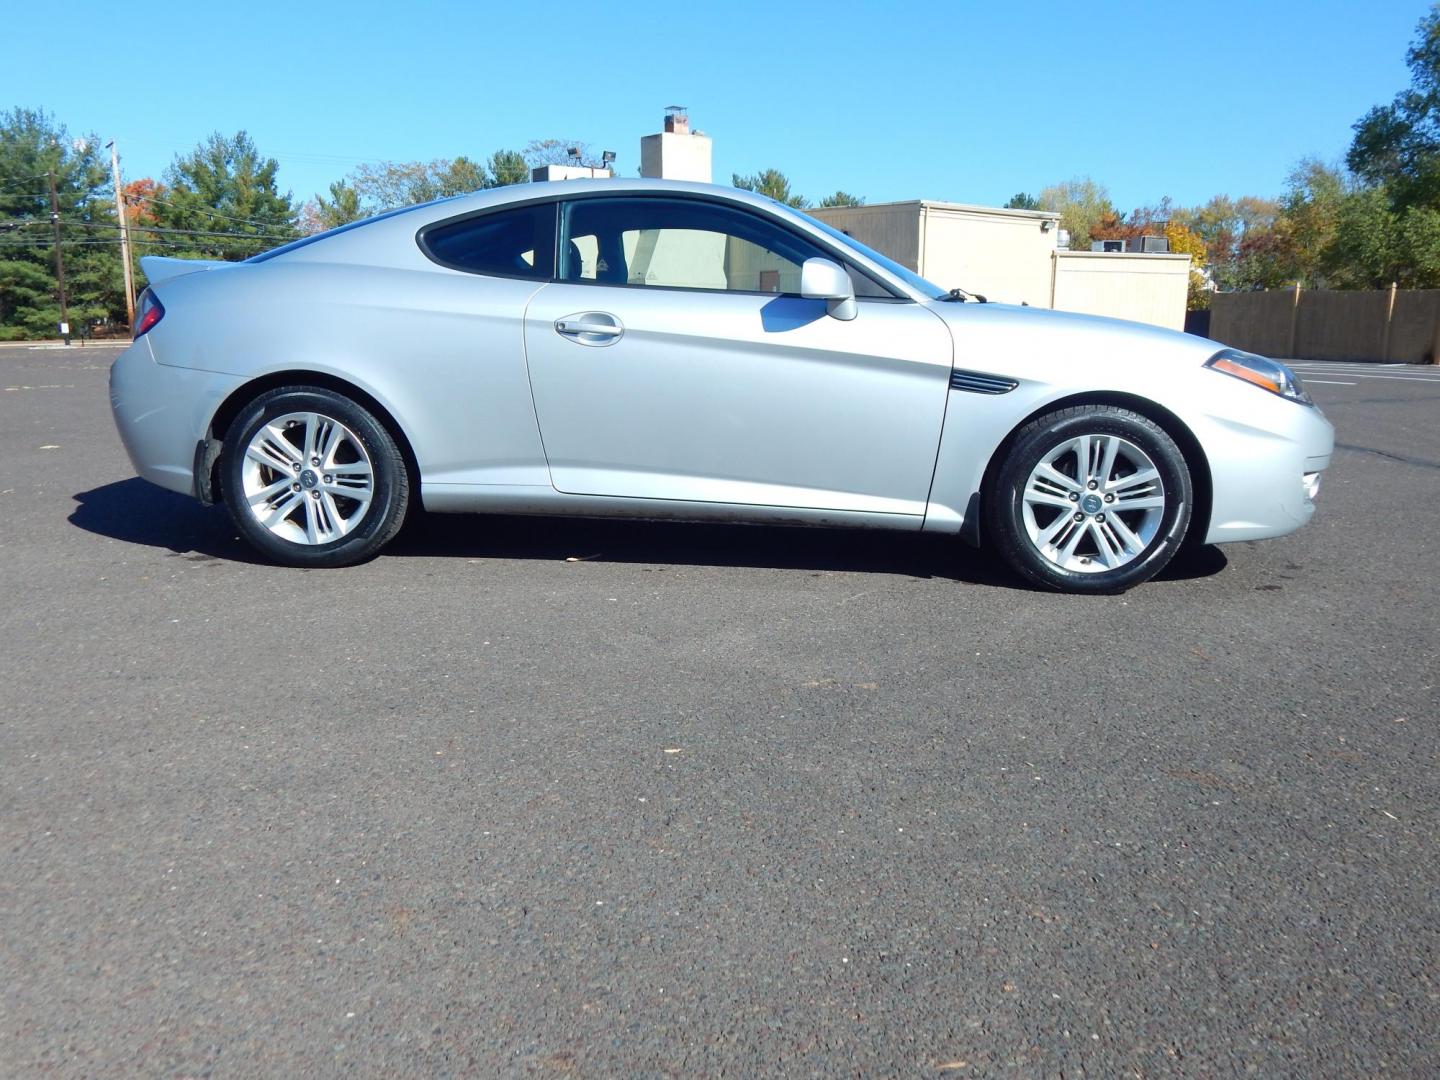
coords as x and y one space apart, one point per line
1224 224
1376 244
1337 230
1023 201
1365 250
1083 205
222 202
33 145
1398 145
1310 209
508 167
341 208
1420 235
842 198
771 182
461 177
1263 260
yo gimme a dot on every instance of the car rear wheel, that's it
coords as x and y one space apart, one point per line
313 479
1090 499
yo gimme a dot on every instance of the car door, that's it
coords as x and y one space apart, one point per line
674 359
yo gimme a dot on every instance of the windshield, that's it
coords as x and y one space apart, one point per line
914 280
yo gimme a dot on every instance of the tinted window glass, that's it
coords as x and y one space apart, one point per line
914 280
680 244
509 243
866 287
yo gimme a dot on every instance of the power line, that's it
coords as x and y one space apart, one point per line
42 245
145 200
195 232
159 229
150 229
20 180
203 210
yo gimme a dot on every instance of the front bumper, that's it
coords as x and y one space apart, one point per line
1265 479
161 413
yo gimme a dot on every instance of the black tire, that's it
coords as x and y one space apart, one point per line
369 526
1005 524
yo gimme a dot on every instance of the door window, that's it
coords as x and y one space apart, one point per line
680 244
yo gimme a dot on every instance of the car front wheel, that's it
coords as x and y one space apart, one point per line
312 479
1090 499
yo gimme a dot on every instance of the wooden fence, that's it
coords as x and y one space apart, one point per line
1394 325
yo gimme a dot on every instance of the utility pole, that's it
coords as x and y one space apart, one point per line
124 235
59 259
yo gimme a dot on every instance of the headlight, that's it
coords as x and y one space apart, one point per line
1265 373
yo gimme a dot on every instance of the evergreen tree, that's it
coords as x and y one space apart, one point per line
221 202
32 146
341 208
508 167
771 182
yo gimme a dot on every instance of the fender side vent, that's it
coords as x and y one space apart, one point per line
977 382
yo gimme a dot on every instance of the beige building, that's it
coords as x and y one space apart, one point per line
1150 288
1013 256
676 152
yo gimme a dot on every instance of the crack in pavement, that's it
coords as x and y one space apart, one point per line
1423 463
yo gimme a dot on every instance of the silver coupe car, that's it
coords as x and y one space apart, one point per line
656 349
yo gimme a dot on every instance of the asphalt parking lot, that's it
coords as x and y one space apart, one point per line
711 801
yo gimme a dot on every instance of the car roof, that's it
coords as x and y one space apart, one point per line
374 240
358 234
543 189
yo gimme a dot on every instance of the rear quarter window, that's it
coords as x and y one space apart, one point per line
505 243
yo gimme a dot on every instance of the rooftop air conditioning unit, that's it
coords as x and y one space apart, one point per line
1107 245
1151 245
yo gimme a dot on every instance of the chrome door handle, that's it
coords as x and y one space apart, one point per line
567 326
591 328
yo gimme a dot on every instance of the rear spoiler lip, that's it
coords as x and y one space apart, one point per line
158 268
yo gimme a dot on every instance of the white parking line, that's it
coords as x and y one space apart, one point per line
1357 363
1392 373
1329 382
1357 375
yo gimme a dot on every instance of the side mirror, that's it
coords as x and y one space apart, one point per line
822 279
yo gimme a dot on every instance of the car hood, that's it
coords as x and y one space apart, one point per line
1010 329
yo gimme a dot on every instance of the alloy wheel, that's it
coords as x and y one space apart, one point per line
307 478
1093 503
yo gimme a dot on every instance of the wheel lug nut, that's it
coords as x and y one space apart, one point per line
329 479
1099 517
294 487
1093 484
1109 498
316 461
1074 496
295 466
314 494
1079 517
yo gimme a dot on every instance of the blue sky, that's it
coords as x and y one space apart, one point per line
964 101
